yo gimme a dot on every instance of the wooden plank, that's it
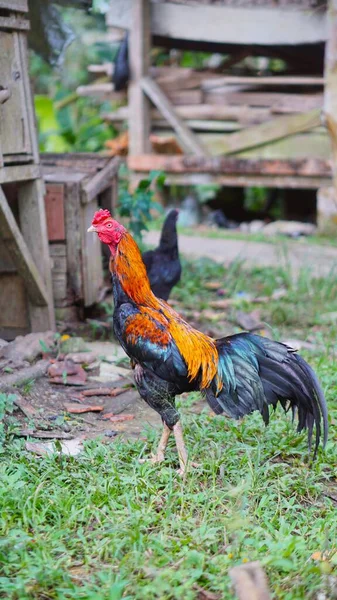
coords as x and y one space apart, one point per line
14 22
187 138
104 91
79 161
34 231
180 97
19 5
278 101
330 92
72 202
54 205
13 303
102 180
270 131
91 256
242 114
280 182
27 98
21 255
278 80
229 165
139 59
19 173
224 24
16 159
14 125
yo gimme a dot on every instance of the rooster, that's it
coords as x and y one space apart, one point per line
162 264
237 374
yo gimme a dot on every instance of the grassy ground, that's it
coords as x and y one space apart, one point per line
320 239
103 526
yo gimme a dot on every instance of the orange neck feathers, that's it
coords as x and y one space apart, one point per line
197 349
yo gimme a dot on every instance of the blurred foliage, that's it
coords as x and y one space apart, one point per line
77 127
66 122
137 205
255 198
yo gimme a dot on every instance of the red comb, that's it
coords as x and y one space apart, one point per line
101 215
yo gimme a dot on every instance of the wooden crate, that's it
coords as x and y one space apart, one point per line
76 186
25 277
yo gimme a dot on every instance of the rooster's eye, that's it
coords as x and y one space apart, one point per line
109 225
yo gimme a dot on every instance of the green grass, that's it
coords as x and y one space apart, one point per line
102 526
319 239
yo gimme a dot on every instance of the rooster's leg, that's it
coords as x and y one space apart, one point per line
160 454
182 452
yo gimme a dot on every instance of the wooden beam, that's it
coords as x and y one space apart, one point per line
139 60
226 24
104 91
19 173
330 92
242 114
277 101
21 255
208 84
236 180
100 182
230 165
187 138
33 225
264 133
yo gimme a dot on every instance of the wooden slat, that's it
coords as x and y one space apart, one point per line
101 90
278 101
270 131
208 84
139 59
269 181
72 195
91 256
34 231
330 92
188 140
242 114
223 24
102 180
14 22
19 173
228 165
21 255
19 5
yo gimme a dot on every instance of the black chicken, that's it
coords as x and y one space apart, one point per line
163 264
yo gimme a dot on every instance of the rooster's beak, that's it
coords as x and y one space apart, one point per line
91 229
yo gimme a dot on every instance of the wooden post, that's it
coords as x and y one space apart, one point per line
139 59
330 90
34 231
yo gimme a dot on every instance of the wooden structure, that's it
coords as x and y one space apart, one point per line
76 186
234 127
25 275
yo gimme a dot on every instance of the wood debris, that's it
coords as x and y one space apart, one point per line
117 418
73 408
66 372
104 392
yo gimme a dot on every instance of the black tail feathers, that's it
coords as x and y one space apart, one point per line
257 373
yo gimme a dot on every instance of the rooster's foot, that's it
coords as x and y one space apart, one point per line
183 469
154 459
